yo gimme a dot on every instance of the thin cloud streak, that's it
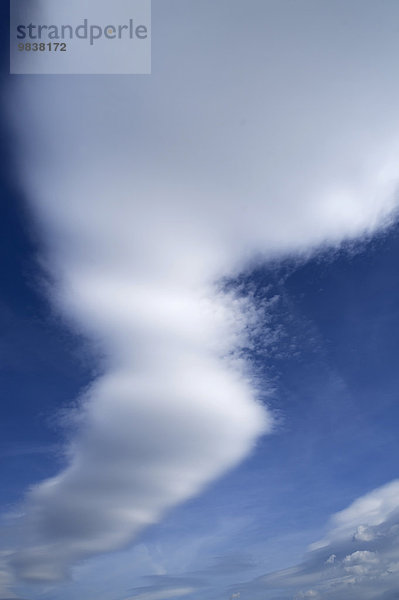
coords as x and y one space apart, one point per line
163 594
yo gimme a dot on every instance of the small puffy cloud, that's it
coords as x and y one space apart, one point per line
361 562
361 557
364 534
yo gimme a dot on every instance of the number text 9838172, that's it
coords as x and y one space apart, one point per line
43 47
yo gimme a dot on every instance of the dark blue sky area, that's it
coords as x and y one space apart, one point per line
346 310
41 365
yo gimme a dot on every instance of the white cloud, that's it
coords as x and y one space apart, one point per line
146 191
163 594
156 428
361 562
363 515
364 534
344 565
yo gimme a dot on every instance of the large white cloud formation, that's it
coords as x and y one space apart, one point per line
261 137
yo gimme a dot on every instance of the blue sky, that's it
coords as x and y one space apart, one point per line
200 314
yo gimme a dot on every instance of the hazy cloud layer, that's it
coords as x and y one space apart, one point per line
146 191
